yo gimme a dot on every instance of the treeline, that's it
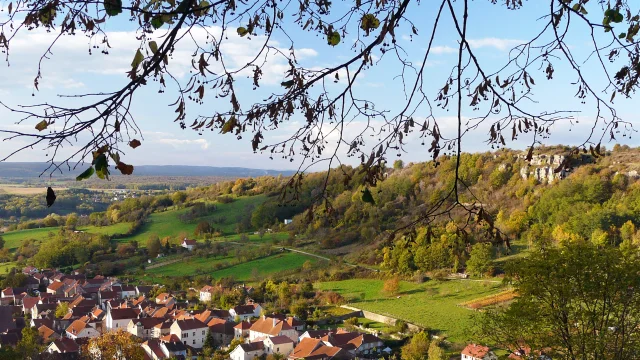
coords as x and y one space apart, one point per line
21 208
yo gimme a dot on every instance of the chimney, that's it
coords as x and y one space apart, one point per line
274 321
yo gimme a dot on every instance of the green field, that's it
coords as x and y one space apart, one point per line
168 224
433 305
266 266
189 266
14 238
5 267
120 228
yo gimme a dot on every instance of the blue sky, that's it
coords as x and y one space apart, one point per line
493 31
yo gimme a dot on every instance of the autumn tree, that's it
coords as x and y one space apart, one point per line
436 352
262 98
391 286
118 345
153 245
575 302
417 348
62 309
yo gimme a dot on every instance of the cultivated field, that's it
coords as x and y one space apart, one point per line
434 305
12 189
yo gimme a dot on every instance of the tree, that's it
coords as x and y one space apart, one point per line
480 260
118 345
2 242
391 286
62 309
209 343
398 164
417 348
30 345
582 296
179 197
436 352
203 228
153 245
72 221
498 95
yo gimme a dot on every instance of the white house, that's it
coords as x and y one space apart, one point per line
81 329
117 319
288 221
248 351
191 332
245 312
188 244
282 345
205 293
477 352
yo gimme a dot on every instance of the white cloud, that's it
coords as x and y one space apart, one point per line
438 50
179 143
70 56
496 43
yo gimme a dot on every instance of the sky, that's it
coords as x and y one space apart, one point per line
493 30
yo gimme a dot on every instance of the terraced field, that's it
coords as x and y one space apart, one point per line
433 305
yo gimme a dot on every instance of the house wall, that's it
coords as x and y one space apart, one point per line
116 324
194 338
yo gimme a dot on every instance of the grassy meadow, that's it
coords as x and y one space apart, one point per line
433 305
13 239
189 266
167 223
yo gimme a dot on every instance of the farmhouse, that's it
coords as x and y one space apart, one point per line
477 352
188 244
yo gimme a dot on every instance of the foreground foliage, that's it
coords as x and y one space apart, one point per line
575 302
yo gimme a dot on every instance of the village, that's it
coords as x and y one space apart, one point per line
168 328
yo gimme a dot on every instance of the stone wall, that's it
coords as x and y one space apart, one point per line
382 318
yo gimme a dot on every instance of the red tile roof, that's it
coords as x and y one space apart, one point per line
476 351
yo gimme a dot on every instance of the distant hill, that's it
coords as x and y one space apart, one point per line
34 169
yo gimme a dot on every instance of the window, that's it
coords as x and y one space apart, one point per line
185 335
194 341
194 333
202 332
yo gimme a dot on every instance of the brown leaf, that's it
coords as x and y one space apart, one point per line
42 125
135 143
124 168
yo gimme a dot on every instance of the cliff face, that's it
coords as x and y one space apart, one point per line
542 167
